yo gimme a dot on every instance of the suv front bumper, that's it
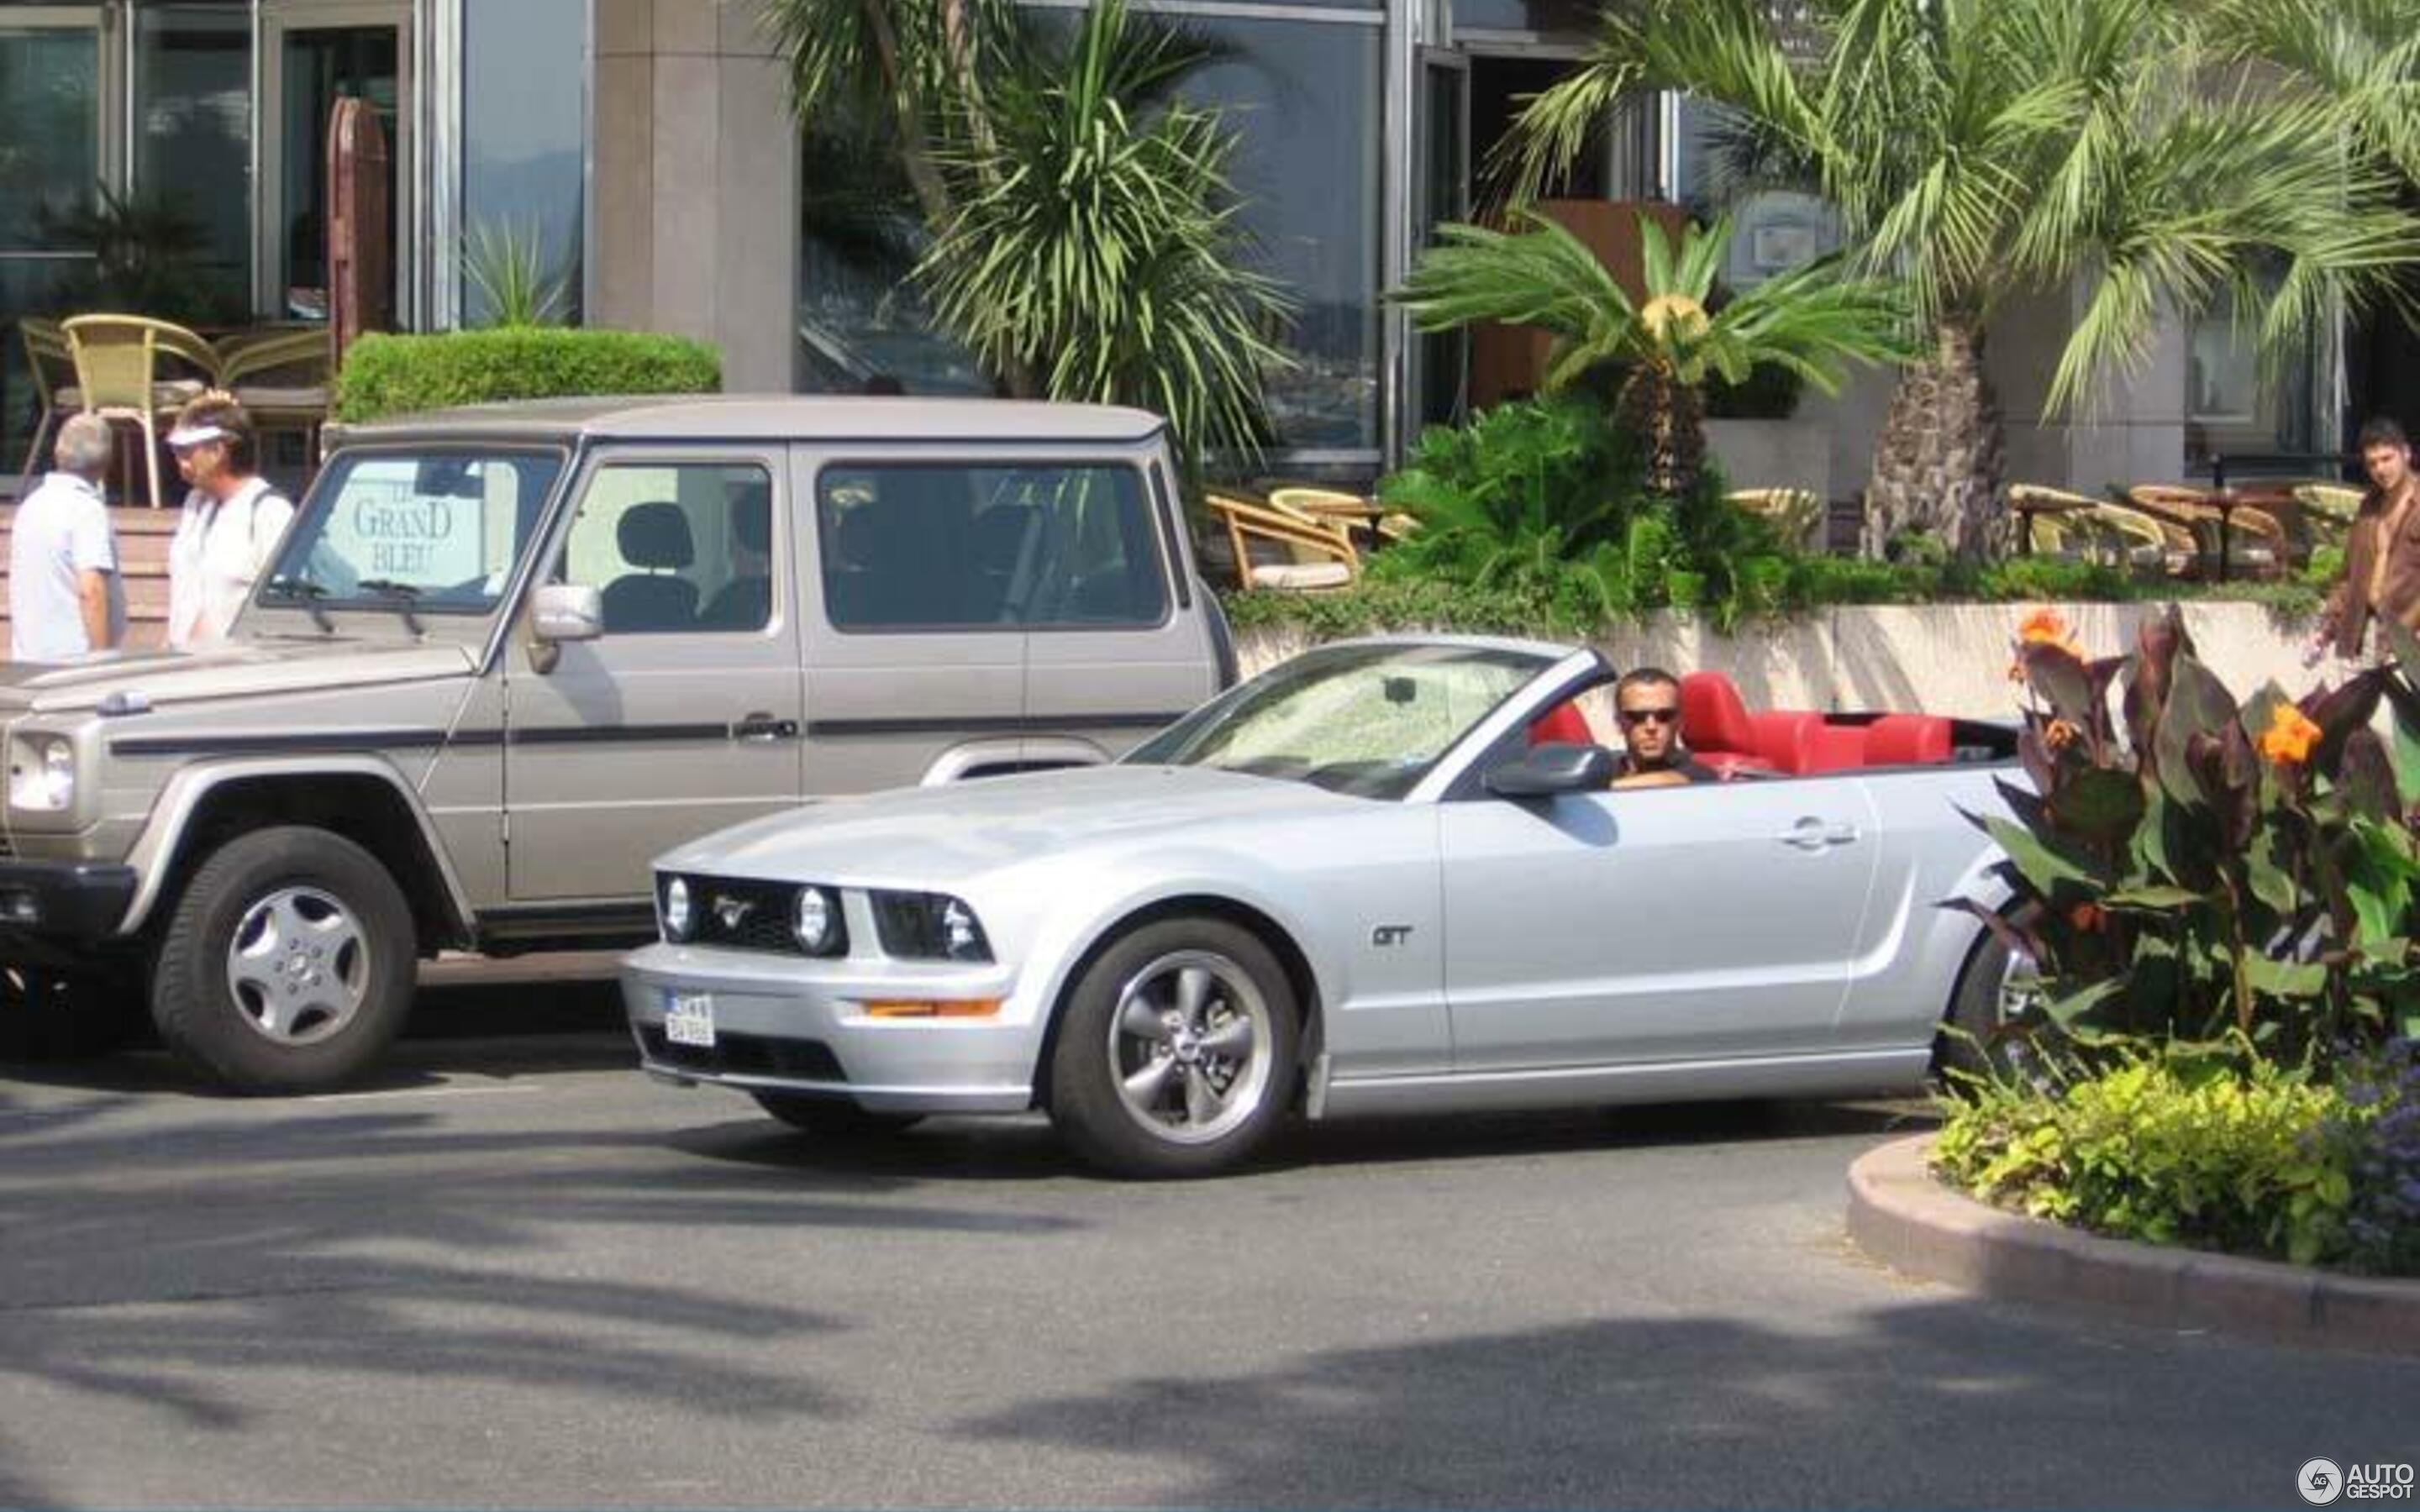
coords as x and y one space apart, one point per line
52 912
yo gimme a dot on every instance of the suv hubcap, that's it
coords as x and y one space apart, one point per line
298 966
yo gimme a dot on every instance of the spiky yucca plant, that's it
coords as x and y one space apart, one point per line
1808 321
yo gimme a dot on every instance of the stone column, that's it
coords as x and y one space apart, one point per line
697 182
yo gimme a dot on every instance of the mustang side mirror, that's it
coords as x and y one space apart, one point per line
1555 767
567 612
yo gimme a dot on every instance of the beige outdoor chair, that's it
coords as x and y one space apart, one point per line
126 366
55 386
1279 548
2328 511
281 378
1348 509
1796 515
2255 541
2095 530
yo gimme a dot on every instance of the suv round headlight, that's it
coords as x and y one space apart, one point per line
814 920
677 916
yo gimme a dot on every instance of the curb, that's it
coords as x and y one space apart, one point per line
1901 1216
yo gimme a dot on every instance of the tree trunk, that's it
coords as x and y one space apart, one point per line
1669 420
1938 461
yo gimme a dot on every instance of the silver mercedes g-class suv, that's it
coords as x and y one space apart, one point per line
506 655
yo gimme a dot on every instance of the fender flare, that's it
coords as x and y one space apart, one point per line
172 815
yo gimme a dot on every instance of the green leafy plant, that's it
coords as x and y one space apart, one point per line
1092 240
509 270
1809 322
2195 865
2215 1146
389 375
148 259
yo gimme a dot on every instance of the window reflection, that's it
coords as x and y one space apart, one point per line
523 115
193 112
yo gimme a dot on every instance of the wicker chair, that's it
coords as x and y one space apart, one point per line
53 364
296 366
2328 511
2095 530
2256 540
1295 551
1796 515
123 365
1350 510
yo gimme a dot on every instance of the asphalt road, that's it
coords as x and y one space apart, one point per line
516 1273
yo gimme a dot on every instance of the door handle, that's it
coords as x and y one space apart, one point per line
1813 834
764 726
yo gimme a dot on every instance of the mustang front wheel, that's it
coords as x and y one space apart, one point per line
1177 1056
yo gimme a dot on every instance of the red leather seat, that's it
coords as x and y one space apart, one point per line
1716 727
1908 739
1836 747
1563 722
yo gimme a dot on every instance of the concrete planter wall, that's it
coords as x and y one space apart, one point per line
1943 659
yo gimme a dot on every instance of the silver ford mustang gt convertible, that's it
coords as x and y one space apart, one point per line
1387 875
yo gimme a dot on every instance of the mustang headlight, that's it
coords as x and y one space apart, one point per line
929 926
815 921
679 917
42 773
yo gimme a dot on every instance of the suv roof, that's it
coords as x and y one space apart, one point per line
773 417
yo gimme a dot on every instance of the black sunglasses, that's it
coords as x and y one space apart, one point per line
1649 716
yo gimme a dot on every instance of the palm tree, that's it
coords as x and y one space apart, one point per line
1808 320
1094 242
1079 230
1979 148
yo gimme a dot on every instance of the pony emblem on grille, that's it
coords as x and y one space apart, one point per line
732 912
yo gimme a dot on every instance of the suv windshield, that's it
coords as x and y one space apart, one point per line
437 530
1367 721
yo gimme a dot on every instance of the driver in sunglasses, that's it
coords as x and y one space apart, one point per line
1648 703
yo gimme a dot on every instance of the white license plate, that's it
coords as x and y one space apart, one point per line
689 1019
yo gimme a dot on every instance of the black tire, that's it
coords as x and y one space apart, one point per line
45 1016
206 1018
1091 1062
832 1118
1971 1042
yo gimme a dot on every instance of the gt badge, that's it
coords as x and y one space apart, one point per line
1390 935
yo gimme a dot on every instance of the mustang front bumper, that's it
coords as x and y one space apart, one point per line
788 1024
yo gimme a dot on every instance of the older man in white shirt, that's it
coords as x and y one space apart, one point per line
65 595
232 524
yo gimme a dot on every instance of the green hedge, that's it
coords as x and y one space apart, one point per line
387 375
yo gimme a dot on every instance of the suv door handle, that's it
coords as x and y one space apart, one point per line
1813 834
761 726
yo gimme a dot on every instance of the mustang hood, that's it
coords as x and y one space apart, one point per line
238 668
930 837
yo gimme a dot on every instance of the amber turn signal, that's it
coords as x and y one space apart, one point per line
926 1008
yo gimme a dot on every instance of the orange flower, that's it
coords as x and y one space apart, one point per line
2086 917
2060 734
2290 737
2044 627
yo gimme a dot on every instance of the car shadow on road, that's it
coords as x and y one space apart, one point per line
1929 1403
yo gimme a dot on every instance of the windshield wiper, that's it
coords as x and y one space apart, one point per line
401 596
304 592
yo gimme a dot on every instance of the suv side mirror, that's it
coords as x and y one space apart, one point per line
1556 767
567 612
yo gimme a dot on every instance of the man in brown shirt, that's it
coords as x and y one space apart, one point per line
2383 549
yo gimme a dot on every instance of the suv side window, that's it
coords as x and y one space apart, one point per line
988 546
675 548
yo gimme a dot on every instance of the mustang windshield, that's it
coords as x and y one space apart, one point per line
1367 721
434 531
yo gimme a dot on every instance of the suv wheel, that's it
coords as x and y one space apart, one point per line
288 964
1177 1054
